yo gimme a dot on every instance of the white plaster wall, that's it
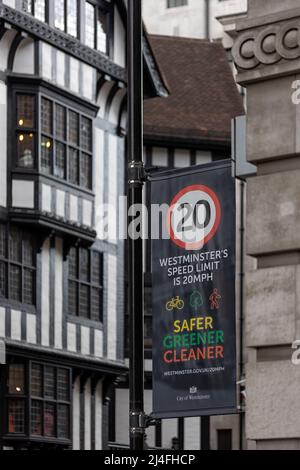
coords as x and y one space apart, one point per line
24 58
45 320
58 321
112 308
76 415
2 322
119 40
98 416
3 146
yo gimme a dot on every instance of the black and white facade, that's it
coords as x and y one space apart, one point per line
62 157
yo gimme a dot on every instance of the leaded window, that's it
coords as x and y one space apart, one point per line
97 21
85 283
50 401
36 8
17 265
42 392
59 14
16 401
66 16
66 144
26 132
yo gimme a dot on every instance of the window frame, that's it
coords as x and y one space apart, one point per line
66 142
8 262
171 6
27 398
33 8
18 129
107 9
90 284
81 108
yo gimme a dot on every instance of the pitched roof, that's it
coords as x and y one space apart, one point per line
203 95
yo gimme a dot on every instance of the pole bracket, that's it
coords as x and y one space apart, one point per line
137 174
139 421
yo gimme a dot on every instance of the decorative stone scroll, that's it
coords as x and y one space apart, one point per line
268 45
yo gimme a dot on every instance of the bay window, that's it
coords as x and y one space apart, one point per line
65 140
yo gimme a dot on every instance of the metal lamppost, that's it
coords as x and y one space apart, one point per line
135 247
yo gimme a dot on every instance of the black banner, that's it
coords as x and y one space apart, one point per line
193 265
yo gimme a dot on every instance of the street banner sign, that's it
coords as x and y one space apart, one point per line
193 289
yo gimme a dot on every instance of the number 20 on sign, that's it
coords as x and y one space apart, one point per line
194 217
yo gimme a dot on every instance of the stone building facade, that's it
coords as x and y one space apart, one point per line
267 55
194 18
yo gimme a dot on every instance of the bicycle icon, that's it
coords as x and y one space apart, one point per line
175 304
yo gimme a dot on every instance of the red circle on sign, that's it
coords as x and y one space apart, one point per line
210 235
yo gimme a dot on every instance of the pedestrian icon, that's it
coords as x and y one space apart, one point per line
215 300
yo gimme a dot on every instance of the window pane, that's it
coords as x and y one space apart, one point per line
63 418
25 111
49 420
84 264
176 3
63 385
47 148
73 263
36 418
28 288
37 380
60 122
96 268
84 301
28 251
60 163
102 31
15 283
86 134
25 150
47 116
72 298
40 10
89 25
96 307
49 391
86 171
16 417
16 379
27 6
73 128
15 244
3 241
72 17
73 166
3 279
59 8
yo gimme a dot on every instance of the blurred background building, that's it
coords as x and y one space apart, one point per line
203 19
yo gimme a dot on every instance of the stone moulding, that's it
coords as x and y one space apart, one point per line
267 45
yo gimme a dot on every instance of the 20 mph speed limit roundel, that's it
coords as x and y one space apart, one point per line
194 217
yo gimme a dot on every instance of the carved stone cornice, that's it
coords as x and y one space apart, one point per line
72 46
267 50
